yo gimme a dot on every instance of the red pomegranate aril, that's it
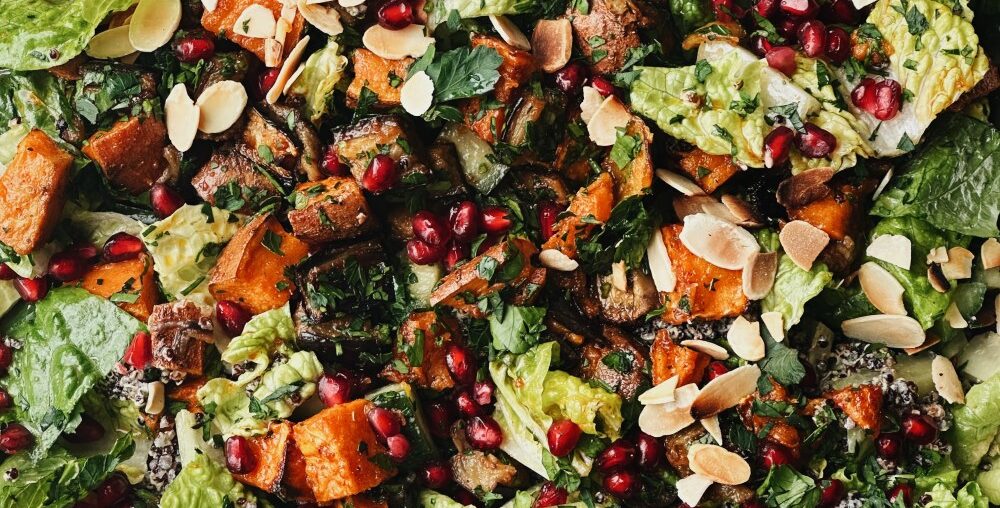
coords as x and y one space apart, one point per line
192 49
6 401
800 8
548 212
840 11
563 435
495 220
766 8
461 363
903 490
380 175
832 494
888 445
570 79
466 404
838 45
919 429
88 431
621 453
760 45
266 80
550 495
398 445
441 417
726 10
483 392
812 37
621 484
483 433
603 86
122 246
778 145
789 29
716 369
863 95
422 253
6 272
332 163
436 475
385 422
65 266
464 221
240 457
165 201
139 353
395 15
816 142
85 252
335 388
773 455
232 316
465 497
6 356
430 228
112 490
888 99
781 58
15 438
457 252
32 290
649 451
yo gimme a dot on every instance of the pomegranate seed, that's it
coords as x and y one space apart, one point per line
495 220
773 455
838 45
466 404
650 450
766 8
621 484
6 356
192 49
395 15
6 272
782 58
715 369
760 45
31 290
888 99
88 431
240 457
603 86
65 266
919 429
547 214
483 390
266 80
6 401
461 363
833 494
902 490
232 316
812 37
430 228
888 445
789 29
335 388
436 475
457 252
621 453
464 221
570 79
483 433
805 9
122 246
423 253
112 490
726 10
165 200
465 497
380 175
332 163
139 353
777 146
550 495
398 445
385 422
441 417
84 251
15 438
563 436
816 142
863 95
840 12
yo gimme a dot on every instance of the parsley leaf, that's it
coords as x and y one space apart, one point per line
272 242
625 149
517 329
789 489
462 73
781 361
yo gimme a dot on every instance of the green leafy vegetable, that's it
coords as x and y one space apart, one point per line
461 73
204 484
786 488
976 424
516 329
623 237
261 338
793 288
320 75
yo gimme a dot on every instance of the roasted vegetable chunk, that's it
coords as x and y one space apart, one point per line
607 32
267 144
778 429
130 283
382 77
32 192
619 364
591 204
130 153
515 70
388 134
632 168
271 450
484 118
707 170
461 288
222 20
863 404
329 210
229 178
703 290
672 359
421 347
180 332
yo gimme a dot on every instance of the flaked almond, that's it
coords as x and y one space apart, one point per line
929 342
343 3
281 29
221 105
690 205
718 464
893 249
680 183
659 394
510 33
741 210
954 317
805 187
660 266
112 43
288 67
691 488
744 337
721 243
665 419
611 116
881 288
556 260
289 8
182 118
990 252
713 350
774 322
592 100
996 310
210 5
882 185
725 391
417 94
711 425
324 17
959 264
153 23
719 210
891 330
937 279
397 44
255 21
803 242
619 276
156 398
946 380
273 51
553 43
937 255
291 80
758 274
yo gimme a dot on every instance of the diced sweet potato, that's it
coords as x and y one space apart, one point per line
187 392
295 478
181 332
838 214
33 192
671 359
251 269
593 203
331 209
222 19
863 404
130 153
637 175
434 334
462 288
484 118
383 77
271 450
130 283
703 290
779 430
515 70
707 170
340 450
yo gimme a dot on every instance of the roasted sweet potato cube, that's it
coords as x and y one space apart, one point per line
432 334
778 429
222 19
187 392
295 478
180 332
591 203
707 170
484 118
703 290
839 214
610 29
329 210
343 456
636 176
33 192
267 144
252 268
671 359
271 450
863 404
461 288
130 153
515 70
383 77
358 144
130 283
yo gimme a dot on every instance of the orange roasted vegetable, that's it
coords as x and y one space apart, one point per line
130 153
462 288
592 203
329 210
383 77
703 290
671 359
707 170
222 19
863 404
485 119
637 175
271 450
434 334
515 70
130 283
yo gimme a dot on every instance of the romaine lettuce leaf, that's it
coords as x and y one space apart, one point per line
97 227
850 144
440 9
8 144
975 424
8 296
434 499
320 75
969 496
205 484
793 288
261 337
36 100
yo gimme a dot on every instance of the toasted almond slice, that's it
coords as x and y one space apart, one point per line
210 5
154 23
881 288
711 425
680 183
954 317
255 21
937 255
691 488
774 321
744 338
891 330
893 249
592 100
721 243
717 209
882 185
713 350
611 116
510 33
295 75
417 94
937 279
690 205
659 394
990 252
946 380
156 399
281 29
553 43
619 276
221 105
324 17
803 242
660 266
397 44
741 210
805 187
758 274
112 43
343 3
557 260
287 68
929 342
660 420
289 9
718 464
959 264
182 118
996 310
725 391
273 50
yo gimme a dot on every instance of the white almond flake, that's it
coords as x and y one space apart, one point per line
881 288
713 350
182 117
510 33
552 41
891 330
111 43
665 419
946 380
343 3
882 185
660 266
255 21
690 489
619 276
156 400
659 394
210 5
959 264
774 321
937 255
954 317
721 243
592 100
154 23
725 391
990 252
611 116
295 76
893 249
717 209
281 29
690 205
273 51
397 44
711 425
288 10
557 260
744 337
718 464
803 242
680 183
287 68
758 274
221 105
324 17
417 94
741 210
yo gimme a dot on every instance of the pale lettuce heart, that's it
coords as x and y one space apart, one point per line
776 89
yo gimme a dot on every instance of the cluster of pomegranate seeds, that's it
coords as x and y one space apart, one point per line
332 164
240 456
832 494
483 433
807 23
335 388
563 435
395 15
381 174
139 353
194 47
164 200
882 99
550 495
15 438
389 427
232 316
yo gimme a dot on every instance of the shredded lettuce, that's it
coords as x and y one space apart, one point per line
203 483
319 77
976 425
8 296
969 496
261 337
793 288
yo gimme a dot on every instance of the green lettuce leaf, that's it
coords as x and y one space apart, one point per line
440 9
204 484
319 77
793 288
975 424
97 227
8 296
296 376
432 499
36 100
261 337
8 143
516 329
969 496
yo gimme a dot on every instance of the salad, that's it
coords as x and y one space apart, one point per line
499 253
